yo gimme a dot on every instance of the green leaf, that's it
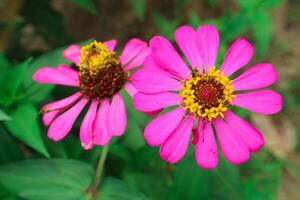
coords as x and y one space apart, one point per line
190 181
11 82
4 63
24 126
9 150
166 26
114 189
4 116
87 5
139 8
48 179
262 28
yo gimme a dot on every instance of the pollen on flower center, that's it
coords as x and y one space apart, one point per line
207 95
100 72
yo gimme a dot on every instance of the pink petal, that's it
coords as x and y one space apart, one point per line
49 75
150 64
185 38
238 55
232 145
62 102
208 44
206 148
102 136
151 102
258 76
138 60
131 50
72 53
130 89
111 44
86 128
250 135
176 145
63 124
150 81
49 116
157 131
116 121
153 113
165 56
52 109
262 101
68 71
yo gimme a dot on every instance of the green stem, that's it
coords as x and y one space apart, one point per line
99 172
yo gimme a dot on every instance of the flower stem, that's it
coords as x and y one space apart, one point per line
99 171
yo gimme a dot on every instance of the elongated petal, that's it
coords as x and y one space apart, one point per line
62 102
130 89
176 145
102 136
165 56
131 50
185 38
63 124
150 64
49 75
86 129
208 45
262 101
69 71
139 59
116 121
157 131
150 102
72 53
150 81
49 117
258 76
238 55
232 145
206 148
111 44
250 135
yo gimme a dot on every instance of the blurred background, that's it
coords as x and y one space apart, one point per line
33 34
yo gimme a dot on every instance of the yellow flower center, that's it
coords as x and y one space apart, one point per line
207 95
100 72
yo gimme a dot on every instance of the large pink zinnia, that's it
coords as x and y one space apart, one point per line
101 75
204 94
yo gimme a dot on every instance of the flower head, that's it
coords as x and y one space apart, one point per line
100 74
204 93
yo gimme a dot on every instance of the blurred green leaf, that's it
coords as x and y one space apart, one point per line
11 82
4 64
87 5
262 28
25 127
46 21
9 150
190 181
4 116
262 177
114 189
166 26
180 5
48 179
139 8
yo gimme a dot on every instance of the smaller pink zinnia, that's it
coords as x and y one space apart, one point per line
204 95
100 77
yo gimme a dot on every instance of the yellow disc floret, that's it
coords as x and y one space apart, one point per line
207 95
101 75
96 56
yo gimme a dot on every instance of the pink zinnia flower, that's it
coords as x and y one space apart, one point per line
100 77
203 94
